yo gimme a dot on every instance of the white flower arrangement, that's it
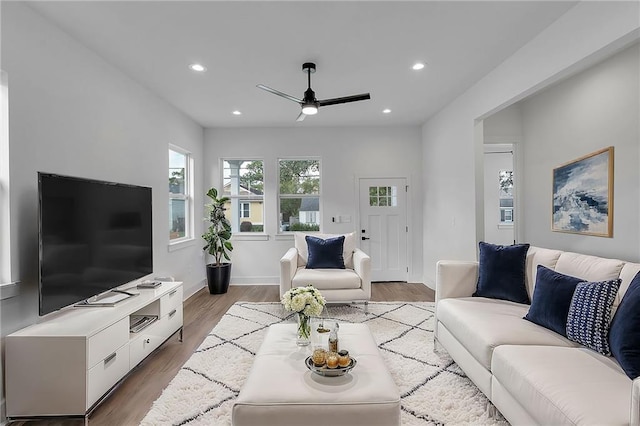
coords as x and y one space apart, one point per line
304 300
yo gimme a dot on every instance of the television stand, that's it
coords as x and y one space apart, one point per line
110 298
68 363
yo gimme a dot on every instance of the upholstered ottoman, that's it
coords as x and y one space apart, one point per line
281 391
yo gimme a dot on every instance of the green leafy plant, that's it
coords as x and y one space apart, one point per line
218 235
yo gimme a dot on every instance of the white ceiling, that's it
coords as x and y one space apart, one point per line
357 46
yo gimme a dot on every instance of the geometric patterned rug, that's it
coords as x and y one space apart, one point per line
433 389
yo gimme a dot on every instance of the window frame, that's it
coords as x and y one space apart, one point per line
186 196
281 196
7 287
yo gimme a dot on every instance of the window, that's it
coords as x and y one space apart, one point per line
299 195
180 195
383 196
243 183
505 179
245 210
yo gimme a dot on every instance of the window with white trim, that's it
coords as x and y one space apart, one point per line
243 184
245 210
299 194
180 195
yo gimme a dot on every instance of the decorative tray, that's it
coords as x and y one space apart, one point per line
329 372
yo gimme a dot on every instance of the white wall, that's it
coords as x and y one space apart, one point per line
584 35
346 154
72 113
590 111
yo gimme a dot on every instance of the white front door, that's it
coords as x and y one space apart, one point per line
383 227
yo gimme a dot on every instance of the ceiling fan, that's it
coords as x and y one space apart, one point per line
309 103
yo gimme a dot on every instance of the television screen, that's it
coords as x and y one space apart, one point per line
94 236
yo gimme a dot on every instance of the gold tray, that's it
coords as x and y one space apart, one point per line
330 372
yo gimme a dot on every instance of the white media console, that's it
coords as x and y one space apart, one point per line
67 364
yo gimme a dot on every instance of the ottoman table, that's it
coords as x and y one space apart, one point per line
281 391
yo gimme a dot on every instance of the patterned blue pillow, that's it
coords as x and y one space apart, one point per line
590 314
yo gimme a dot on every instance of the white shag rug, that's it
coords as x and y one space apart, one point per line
433 389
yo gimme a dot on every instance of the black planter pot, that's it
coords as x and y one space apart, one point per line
218 277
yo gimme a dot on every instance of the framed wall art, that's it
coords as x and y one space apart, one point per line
583 195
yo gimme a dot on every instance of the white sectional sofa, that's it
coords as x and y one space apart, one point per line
530 373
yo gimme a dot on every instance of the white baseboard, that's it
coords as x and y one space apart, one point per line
255 281
9 290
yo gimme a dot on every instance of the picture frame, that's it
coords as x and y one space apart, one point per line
582 200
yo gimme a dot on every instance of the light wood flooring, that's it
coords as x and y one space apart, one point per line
131 401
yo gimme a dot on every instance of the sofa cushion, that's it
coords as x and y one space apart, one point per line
589 268
590 314
482 324
325 253
501 273
627 274
539 256
624 334
300 243
326 279
556 385
552 299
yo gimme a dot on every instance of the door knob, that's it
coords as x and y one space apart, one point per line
365 238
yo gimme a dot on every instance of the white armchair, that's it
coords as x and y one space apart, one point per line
352 284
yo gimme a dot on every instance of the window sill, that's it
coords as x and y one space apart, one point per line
505 226
178 245
284 237
250 236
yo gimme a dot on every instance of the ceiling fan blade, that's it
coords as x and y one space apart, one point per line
301 117
279 93
345 99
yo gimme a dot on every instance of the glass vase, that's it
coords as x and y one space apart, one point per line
303 335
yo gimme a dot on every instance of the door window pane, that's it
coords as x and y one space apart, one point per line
383 196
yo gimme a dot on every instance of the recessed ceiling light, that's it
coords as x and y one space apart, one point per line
418 66
236 112
197 67
386 111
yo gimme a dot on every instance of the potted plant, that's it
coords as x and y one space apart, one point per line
218 237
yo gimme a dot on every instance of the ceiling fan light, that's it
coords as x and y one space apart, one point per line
309 109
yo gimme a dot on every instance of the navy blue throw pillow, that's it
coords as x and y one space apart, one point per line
326 254
502 272
624 334
551 299
590 314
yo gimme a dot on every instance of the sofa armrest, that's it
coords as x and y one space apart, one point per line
455 278
362 267
635 403
288 267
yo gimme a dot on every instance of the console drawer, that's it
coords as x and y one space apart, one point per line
104 343
106 374
170 301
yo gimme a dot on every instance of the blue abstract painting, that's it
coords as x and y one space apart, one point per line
582 195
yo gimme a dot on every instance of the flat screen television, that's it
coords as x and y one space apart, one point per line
94 236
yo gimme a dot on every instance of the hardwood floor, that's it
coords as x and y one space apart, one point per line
130 402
